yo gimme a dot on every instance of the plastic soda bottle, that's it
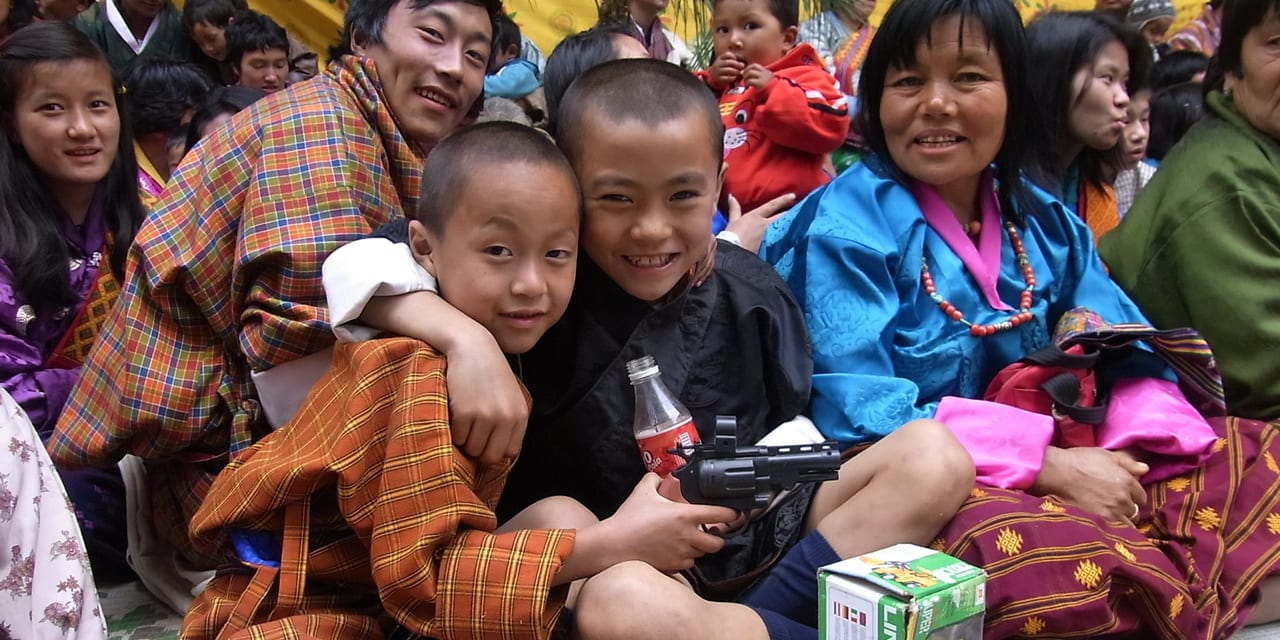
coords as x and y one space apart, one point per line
662 423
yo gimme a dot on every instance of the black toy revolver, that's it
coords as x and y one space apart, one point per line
745 478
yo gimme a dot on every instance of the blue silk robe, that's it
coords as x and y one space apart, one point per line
883 352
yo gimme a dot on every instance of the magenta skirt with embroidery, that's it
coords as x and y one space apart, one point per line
1190 569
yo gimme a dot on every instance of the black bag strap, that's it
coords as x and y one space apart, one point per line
1064 389
1054 356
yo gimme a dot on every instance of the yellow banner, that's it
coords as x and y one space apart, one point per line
318 23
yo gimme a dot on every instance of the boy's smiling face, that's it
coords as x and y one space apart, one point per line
507 256
650 192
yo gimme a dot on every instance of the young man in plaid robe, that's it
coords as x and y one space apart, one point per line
223 283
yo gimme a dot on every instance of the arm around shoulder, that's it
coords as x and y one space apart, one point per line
360 271
397 296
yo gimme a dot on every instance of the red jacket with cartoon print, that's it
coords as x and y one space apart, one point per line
776 138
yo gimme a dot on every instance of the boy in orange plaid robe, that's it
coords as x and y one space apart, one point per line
361 513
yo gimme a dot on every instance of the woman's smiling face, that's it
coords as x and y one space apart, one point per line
944 117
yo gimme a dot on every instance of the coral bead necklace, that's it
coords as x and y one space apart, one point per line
1022 315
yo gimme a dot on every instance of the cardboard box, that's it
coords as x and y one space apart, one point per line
904 592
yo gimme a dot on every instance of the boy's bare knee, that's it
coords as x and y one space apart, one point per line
619 582
615 602
936 455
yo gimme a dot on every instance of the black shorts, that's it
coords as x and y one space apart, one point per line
750 552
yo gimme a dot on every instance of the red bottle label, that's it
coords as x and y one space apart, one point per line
655 448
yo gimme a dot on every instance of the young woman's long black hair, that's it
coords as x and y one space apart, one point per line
909 23
31 239
1063 43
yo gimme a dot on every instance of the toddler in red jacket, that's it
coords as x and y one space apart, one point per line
781 108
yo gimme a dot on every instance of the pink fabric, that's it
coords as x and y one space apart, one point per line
1153 415
982 261
1007 443
46 585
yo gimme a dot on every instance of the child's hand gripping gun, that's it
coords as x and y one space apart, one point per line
746 478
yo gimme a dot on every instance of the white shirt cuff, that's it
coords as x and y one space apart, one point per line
358 271
729 236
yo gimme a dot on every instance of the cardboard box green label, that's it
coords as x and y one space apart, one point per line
903 592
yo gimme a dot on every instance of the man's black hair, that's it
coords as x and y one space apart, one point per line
161 91
506 35
228 100
1177 67
366 20
573 57
251 31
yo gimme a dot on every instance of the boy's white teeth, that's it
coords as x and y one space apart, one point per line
939 139
650 261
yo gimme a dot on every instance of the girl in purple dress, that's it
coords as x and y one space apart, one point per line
69 208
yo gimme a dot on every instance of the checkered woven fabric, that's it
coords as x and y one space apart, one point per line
74 347
373 504
224 279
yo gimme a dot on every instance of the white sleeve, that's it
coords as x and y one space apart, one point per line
796 431
360 270
680 53
730 237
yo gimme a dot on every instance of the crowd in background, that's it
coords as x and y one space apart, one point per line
832 231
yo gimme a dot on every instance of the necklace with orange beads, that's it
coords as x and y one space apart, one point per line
1022 315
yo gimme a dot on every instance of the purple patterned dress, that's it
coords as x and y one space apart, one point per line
27 342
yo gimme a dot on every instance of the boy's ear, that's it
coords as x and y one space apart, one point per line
420 246
789 36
